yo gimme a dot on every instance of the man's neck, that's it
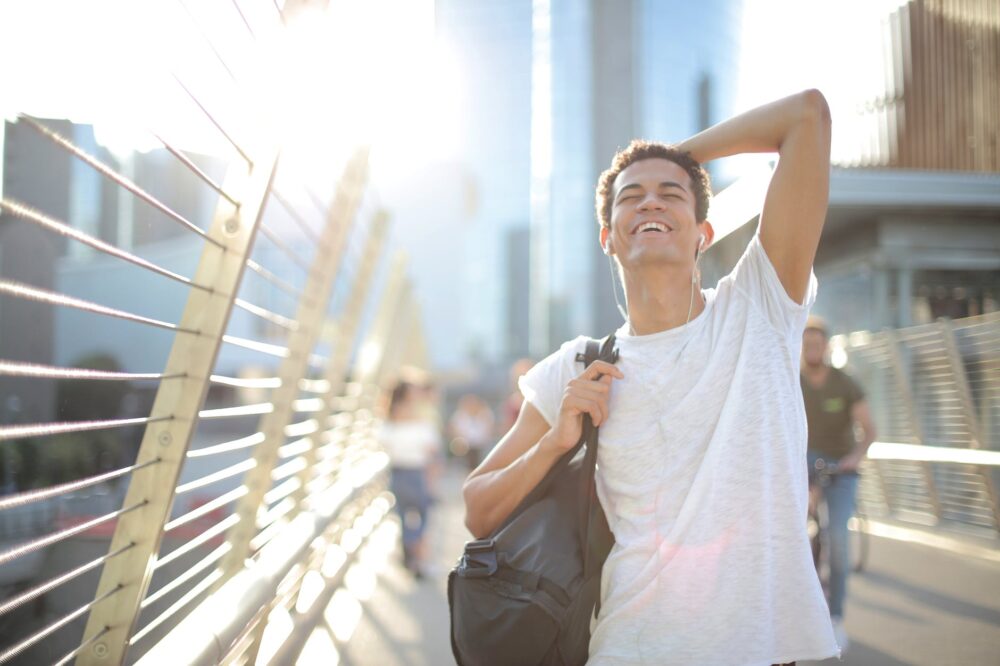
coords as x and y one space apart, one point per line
660 298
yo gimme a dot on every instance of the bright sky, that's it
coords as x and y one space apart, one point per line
367 70
836 46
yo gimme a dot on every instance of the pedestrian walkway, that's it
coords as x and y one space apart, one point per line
914 605
921 605
405 621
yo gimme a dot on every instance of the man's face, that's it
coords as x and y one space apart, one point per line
652 214
813 347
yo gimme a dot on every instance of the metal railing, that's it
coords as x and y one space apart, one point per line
934 391
228 490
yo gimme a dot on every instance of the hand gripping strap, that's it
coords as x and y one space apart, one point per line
604 351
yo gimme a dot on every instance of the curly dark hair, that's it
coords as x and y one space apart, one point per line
640 149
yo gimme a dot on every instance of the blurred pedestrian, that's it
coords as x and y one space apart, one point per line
413 443
835 406
472 425
512 405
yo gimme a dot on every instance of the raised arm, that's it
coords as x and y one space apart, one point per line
798 129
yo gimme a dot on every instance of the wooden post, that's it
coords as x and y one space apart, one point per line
369 367
310 316
340 356
192 357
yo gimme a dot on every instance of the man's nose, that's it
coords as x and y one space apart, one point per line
650 201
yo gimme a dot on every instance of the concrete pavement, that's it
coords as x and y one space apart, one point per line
914 605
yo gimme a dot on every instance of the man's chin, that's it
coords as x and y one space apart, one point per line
647 257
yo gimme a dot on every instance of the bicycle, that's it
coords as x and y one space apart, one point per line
821 475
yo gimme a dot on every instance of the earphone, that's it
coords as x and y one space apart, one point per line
694 273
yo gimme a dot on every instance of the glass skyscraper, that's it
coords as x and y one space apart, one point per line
492 42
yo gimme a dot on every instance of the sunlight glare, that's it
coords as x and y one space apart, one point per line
279 627
837 47
319 650
359 73
342 615
360 581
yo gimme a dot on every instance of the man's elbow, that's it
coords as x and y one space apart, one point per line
473 517
475 527
814 108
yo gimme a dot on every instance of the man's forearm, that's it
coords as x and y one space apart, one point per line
861 447
760 130
490 497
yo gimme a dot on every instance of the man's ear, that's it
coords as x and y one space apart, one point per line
706 229
606 241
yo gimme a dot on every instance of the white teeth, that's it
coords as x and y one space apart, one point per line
651 225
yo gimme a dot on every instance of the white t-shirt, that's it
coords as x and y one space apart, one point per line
410 444
702 474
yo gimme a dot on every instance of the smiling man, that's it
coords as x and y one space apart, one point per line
701 464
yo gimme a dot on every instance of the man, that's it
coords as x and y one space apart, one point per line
702 429
835 404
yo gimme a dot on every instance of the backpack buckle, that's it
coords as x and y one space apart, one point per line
479 559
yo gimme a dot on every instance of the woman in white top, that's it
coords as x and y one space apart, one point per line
473 424
413 444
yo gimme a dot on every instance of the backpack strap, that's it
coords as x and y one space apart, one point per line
603 350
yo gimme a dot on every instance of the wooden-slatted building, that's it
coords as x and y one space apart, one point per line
913 229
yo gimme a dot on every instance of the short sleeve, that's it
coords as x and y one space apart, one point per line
756 277
544 384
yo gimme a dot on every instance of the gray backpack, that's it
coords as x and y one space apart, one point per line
526 594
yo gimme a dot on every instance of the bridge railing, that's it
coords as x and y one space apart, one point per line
237 467
935 396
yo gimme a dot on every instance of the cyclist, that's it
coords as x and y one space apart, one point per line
835 406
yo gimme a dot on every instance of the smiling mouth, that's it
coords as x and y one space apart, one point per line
652 227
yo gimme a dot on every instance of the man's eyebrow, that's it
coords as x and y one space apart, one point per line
671 183
630 186
666 183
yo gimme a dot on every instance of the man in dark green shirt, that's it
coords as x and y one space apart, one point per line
835 406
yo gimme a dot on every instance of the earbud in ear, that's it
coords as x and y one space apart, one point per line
701 245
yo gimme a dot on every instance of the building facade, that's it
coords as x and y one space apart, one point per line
913 228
